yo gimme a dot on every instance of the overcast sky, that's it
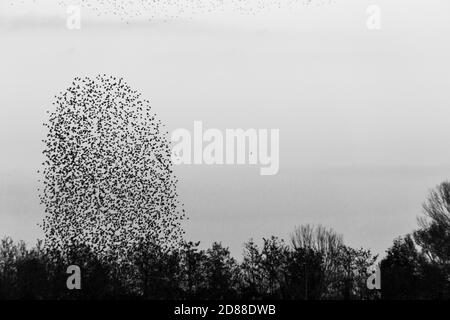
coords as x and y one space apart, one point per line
363 114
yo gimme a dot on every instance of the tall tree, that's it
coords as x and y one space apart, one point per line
329 244
305 274
353 265
434 232
407 273
192 267
220 271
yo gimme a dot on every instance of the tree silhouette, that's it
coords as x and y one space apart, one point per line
434 233
192 265
353 272
220 272
253 272
407 273
329 244
305 274
273 261
107 176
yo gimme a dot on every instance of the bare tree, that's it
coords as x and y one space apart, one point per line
318 237
434 233
324 241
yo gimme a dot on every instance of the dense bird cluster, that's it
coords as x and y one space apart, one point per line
108 183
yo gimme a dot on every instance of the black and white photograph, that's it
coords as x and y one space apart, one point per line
224 157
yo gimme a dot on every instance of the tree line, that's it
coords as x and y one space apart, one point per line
313 264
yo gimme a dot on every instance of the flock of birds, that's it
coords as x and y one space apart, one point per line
171 9
107 175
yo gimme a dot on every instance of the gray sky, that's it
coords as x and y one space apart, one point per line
363 114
